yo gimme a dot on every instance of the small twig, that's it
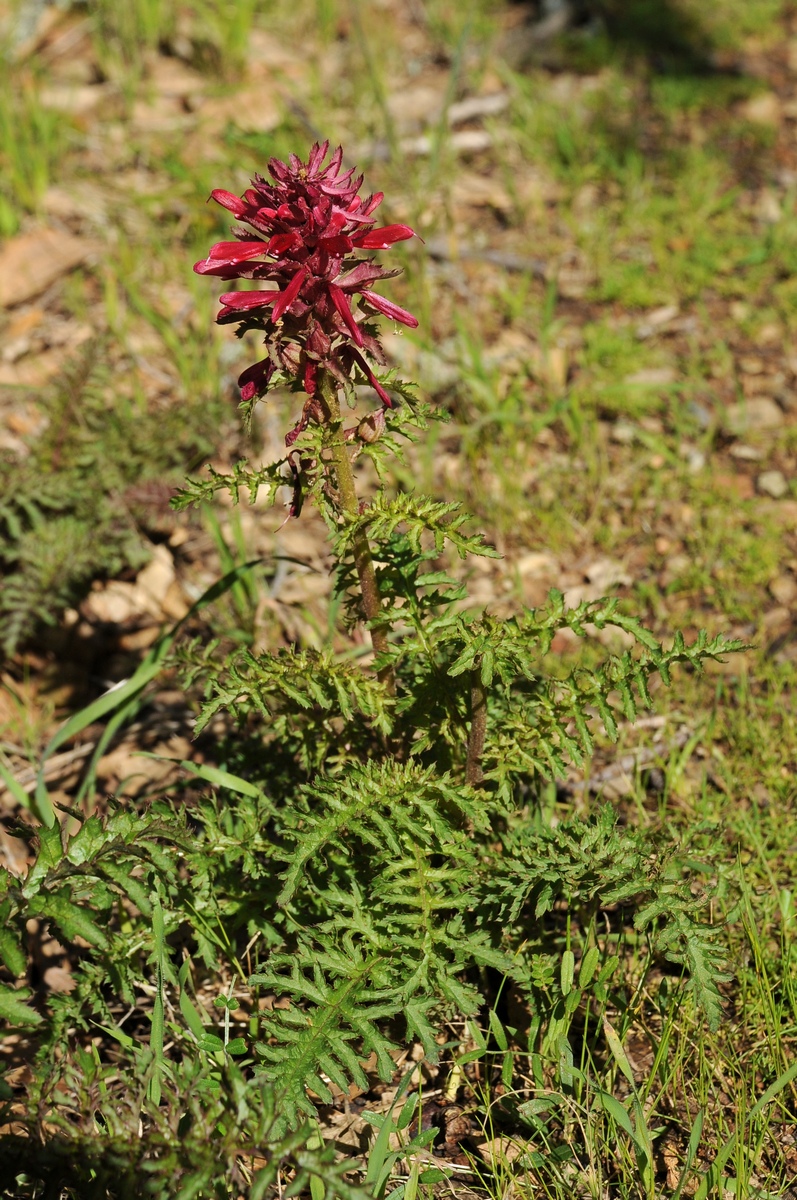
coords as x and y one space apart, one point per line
441 248
55 768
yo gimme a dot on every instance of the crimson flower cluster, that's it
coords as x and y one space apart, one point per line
309 223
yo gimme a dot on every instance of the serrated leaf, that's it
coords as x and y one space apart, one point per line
14 1009
72 920
50 853
11 951
88 840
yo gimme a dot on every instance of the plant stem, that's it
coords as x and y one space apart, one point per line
363 560
478 728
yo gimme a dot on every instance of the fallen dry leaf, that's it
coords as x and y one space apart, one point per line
606 573
170 77
254 109
656 320
59 979
267 55
473 108
30 262
163 114
536 563
116 603
496 1152
651 377
32 372
78 99
550 366
157 577
416 106
470 190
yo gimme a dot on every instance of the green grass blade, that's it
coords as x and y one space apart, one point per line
712 1177
16 789
156 1037
691 1151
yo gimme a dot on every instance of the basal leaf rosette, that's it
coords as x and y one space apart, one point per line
302 236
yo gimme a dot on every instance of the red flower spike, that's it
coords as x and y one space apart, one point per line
313 223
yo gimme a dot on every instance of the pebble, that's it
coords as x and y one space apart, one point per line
757 413
623 433
783 589
772 483
746 453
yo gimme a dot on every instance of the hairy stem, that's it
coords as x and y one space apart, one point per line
478 728
363 560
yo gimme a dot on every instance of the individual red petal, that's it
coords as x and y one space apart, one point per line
390 310
344 185
232 270
342 305
372 203
380 239
334 163
282 242
335 223
243 300
289 295
255 379
227 254
372 379
337 246
226 199
317 156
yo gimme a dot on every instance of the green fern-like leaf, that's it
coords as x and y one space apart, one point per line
443 521
595 864
339 996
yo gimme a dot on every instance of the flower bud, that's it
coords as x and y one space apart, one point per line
372 427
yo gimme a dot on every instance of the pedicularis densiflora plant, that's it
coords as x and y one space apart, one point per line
401 819
375 831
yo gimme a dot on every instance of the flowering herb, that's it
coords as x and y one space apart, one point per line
309 225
